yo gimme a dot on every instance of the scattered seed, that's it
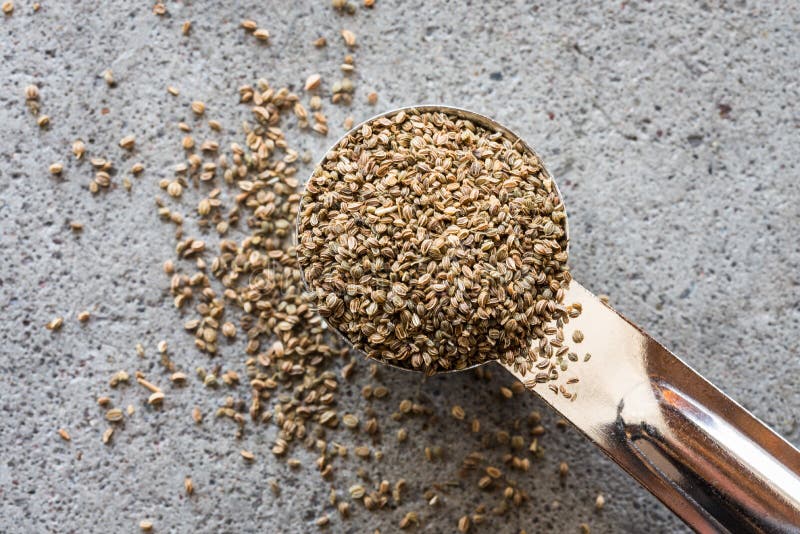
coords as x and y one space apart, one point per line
64 434
56 168
198 108
127 142
247 455
55 324
146 525
261 34
174 91
372 98
577 336
114 415
186 27
107 435
349 38
108 76
43 121
84 316
188 485
312 82
599 502
320 42
8 7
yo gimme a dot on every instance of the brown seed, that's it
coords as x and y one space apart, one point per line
249 25
84 316
114 415
247 455
137 168
43 121
188 485
261 34
31 92
599 502
312 82
577 336
372 98
186 27
197 415
127 142
64 434
323 521
463 524
78 149
229 330
348 123
198 107
107 434
178 378
56 168
146 525
320 42
108 76
156 398
55 324
563 469
174 91
349 38
505 392
369 3
457 412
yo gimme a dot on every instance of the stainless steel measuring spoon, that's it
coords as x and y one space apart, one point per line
708 459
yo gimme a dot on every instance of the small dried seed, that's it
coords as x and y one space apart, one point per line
188 485
577 336
247 455
146 525
349 38
198 107
55 324
64 434
261 34
84 316
56 168
312 82
127 142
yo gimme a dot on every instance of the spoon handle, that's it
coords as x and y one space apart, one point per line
704 456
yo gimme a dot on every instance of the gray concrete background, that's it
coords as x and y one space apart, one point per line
672 131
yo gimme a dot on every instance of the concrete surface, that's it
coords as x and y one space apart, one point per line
671 128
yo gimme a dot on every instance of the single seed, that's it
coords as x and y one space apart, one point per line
197 415
186 27
249 25
156 398
78 149
372 98
188 485
577 336
563 469
114 415
247 455
43 121
198 107
84 316
31 92
261 34
137 168
108 76
320 42
55 324
127 142
349 38
146 525
174 91
599 502
64 434
323 521
107 434
312 82
463 524
56 168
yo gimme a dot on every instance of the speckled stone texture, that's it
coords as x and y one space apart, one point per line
670 127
